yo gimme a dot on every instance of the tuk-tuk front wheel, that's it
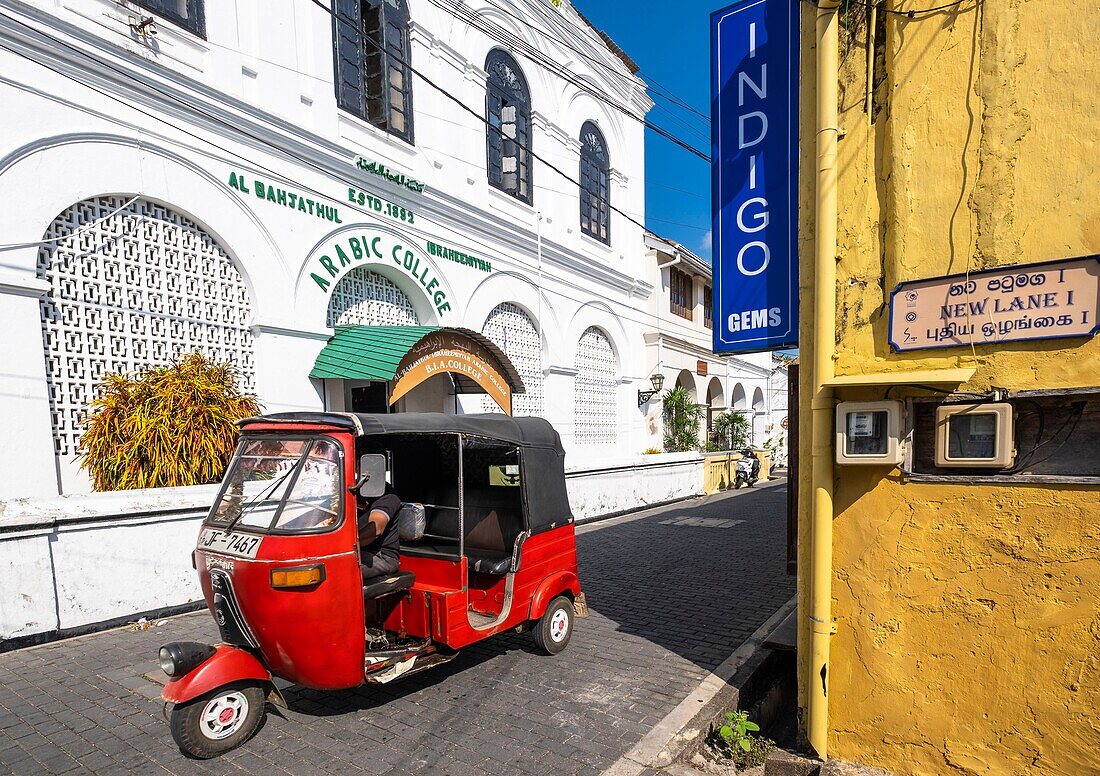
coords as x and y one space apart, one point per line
552 632
218 721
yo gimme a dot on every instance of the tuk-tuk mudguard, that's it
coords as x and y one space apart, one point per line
227 665
551 587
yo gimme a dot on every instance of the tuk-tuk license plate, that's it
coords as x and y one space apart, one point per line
240 545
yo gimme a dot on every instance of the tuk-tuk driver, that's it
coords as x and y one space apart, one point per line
379 539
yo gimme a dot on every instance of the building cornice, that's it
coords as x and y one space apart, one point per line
177 97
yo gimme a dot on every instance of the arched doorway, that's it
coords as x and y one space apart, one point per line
759 413
740 400
715 403
686 380
412 364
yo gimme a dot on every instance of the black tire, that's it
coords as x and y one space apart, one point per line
199 738
738 482
553 631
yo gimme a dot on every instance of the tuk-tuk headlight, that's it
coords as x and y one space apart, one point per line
181 657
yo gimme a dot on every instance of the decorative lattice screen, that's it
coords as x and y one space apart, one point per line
365 298
129 290
596 408
513 331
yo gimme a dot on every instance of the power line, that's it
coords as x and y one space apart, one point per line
644 320
650 80
480 117
463 13
910 13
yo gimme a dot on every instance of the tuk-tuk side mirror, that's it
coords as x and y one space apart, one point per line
372 475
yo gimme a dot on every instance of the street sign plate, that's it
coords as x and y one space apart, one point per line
754 175
1048 300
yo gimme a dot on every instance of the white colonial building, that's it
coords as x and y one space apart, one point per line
679 348
241 177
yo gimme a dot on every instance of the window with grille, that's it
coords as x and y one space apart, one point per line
680 289
365 298
708 307
189 14
595 176
595 407
513 331
371 41
508 132
133 287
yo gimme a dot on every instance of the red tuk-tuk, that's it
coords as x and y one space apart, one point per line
487 545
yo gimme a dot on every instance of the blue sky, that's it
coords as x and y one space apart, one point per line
671 43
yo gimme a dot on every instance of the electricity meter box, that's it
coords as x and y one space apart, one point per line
975 436
868 433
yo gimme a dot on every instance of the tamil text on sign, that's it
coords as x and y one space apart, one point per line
1050 300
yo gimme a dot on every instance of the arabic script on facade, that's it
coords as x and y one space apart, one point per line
393 176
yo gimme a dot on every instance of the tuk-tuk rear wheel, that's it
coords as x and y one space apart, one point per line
554 628
218 721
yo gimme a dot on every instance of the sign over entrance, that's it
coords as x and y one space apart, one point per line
754 178
1049 300
459 354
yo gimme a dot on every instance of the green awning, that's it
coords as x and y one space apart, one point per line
367 352
375 353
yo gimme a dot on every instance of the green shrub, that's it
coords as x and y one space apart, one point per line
682 416
731 431
164 426
735 741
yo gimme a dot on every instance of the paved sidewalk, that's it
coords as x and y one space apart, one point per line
673 591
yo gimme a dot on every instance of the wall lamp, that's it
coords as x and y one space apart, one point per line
658 382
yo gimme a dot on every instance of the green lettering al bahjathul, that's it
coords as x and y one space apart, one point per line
285 197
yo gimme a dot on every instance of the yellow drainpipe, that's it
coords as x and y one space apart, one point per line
824 333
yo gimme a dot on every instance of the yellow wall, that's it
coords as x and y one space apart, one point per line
968 615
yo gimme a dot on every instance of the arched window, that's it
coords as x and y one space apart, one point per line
595 404
133 287
508 134
372 63
365 298
513 331
595 191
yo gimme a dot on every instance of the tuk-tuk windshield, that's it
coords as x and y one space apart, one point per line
282 485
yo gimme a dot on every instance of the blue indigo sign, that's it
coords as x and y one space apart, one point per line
754 131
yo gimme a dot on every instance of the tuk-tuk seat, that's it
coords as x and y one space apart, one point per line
488 562
391 583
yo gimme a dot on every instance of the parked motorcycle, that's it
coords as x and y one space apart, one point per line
747 469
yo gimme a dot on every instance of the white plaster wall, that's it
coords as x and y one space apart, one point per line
76 561
628 484
28 604
27 458
265 71
112 571
73 561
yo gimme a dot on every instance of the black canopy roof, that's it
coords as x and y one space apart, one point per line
546 502
526 432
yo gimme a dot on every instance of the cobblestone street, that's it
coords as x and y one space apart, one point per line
673 591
